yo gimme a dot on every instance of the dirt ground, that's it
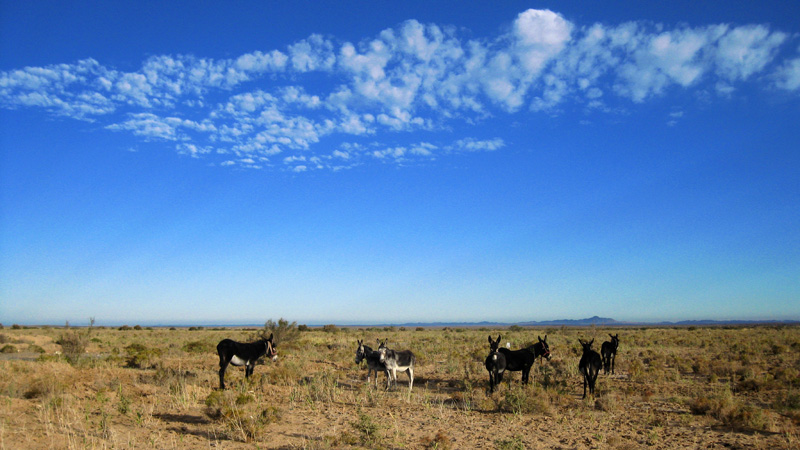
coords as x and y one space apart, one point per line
325 402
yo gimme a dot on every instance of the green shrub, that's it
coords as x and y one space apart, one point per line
438 442
35 348
140 357
73 343
368 431
198 347
282 332
8 348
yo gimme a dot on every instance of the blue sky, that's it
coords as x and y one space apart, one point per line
338 162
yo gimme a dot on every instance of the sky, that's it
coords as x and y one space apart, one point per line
358 163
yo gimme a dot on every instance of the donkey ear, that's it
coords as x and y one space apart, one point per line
591 342
498 338
270 337
490 339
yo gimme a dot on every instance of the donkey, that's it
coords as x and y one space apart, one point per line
524 358
609 352
495 364
394 361
373 358
518 360
589 366
239 354
541 348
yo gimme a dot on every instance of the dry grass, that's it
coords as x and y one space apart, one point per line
674 388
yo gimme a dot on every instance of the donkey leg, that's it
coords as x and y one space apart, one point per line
222 375
410 378
584 385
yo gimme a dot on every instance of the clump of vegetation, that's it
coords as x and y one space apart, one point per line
73 342
438 442
730 411
282 332
8 348
33 348
330 328
140 356
520 400
198 347
369 432
242 415
512 443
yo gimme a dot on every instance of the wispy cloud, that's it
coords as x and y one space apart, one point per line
261 109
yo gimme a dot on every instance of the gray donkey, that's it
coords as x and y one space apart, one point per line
394 361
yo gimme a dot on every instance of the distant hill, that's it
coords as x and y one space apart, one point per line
596 321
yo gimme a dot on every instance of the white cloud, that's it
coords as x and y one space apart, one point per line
473 145
788 75
746 50
414 77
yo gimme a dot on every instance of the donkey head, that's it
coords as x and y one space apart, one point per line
382 350
615 340
587 346
361 353
270 348
545 348
494 344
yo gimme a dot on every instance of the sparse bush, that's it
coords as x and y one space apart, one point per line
282 332
198 347
73 343
520 400
140 357
369 432
8 348
33 348
242 415
438 442
512 443
329 328
729 410
124 328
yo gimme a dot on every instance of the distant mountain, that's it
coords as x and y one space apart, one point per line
572 323
596 321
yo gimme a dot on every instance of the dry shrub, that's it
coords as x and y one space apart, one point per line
609 402
243 416
8 348
369 432
554 374
523 400
73 343
140 356
282 332
730 411
43 386
285 373
198 347
438 442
